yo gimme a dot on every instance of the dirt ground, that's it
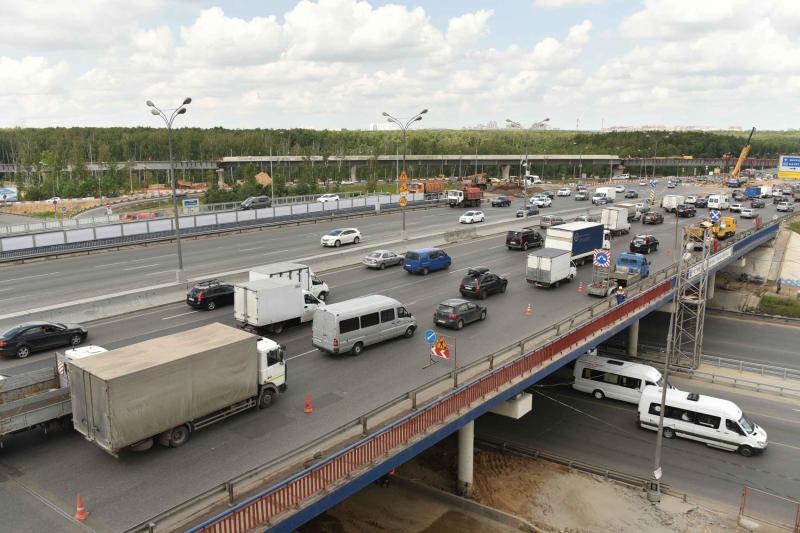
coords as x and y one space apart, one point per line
556 500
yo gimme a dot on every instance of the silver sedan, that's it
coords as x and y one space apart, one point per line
381 259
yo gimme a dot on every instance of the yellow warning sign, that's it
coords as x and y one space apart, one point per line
403 176
403 202
403 187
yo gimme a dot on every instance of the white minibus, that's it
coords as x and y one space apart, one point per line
611 378
717 423
719 201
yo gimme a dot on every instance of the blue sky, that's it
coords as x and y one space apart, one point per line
339 63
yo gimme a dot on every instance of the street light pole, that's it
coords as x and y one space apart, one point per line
518 125
168 122
404 128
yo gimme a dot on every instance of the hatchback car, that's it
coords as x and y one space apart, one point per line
210 295
739 196
550 220
480 282
501 201
620 188
529 211
685 210
338 237
736 208
323 198
455 312
470 217
701 201
757 202
381 259
785 207
426 260
524 238
631 194
256 202
652 218
564 191
24 339
541 201
670 185
748 212
644 244
581 196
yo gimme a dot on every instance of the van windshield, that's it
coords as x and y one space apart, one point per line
747 426
627 262
412 255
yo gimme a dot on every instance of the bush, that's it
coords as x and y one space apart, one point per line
775 305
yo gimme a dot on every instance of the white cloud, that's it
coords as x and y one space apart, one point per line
464 30
30 76
556 4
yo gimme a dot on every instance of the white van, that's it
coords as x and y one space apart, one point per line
716 422
612 378
719 201
352 325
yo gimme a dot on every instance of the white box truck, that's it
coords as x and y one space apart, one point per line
604 195
302 273
273 304
581 239
549 267
615 220
165 388
670 202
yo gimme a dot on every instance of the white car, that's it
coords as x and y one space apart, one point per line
328 198
338 237
777 192
564 191
786 207
541 201
736 208
690 200
470 217
748 213
54 200
642 183
620 188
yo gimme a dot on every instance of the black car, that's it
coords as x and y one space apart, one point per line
501 201
757 202
701 201
524 238
631 194
480 282
685 210
581 196
455 312
24 339
530 211
644 244
601 200
256 202
210 295
739 196
652 218
549 194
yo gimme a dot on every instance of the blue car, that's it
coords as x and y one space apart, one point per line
426 260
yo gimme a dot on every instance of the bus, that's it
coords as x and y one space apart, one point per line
610 378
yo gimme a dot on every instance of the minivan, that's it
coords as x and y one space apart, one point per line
352 325
611 378
256 202
550 220
426 260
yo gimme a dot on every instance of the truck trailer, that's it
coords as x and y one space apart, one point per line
296 271
580 239
615 220
273 304
549 267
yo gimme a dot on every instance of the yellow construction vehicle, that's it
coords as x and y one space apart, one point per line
733 180
721 230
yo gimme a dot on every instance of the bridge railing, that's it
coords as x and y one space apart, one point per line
481 378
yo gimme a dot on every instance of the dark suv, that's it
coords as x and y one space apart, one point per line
524 238
480 282
685 210
256 202
454 313
210 294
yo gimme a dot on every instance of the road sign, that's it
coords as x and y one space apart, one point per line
403 176
64 210
430 336
715 216
403 202
191 202
403 187
602 258
441 349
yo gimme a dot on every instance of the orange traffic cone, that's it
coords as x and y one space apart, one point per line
529 312
80 511
580 287
308 408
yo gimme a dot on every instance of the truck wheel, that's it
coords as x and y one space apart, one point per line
409 333
23 352
266 399
276 328
142 445
669 433
211 305
179 437
745 450
598 394
357 349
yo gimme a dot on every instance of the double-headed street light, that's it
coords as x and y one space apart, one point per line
168 122
404 128
518 125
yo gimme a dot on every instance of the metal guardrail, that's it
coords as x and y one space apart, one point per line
763 507
747 366
740 383
517 360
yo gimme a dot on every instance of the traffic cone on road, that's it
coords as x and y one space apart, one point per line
80 511
529 312
308 408
580 287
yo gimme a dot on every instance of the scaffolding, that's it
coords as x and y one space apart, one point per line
689 306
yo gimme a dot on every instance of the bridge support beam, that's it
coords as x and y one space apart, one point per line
506 171
466 448
353 173
712 280
633 339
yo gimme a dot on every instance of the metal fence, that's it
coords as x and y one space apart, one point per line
747 366
765 508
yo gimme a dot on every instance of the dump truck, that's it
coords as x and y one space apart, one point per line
615 220
163 389
549 267
431 189
580 239
629 268
302 273
634 211
273 304
468 197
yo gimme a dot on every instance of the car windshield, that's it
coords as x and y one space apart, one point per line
627 262
412 255
747 426
638 242
335 232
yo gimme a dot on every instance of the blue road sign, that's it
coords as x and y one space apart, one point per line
430 336
715 216
191 202
601 258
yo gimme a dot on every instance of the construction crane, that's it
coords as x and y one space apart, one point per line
733 179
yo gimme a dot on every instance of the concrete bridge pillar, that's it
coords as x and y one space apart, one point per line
633 339
712 280
466 448
506 171
353 173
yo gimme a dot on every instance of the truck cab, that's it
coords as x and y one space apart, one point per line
725 227
631 267
271 369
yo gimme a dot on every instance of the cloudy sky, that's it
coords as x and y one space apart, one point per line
340 63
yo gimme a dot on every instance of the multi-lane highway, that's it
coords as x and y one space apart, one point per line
605 433
55 466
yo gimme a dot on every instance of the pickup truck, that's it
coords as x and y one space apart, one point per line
629 268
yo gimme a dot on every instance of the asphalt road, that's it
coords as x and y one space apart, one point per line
121 492
606 433
7 219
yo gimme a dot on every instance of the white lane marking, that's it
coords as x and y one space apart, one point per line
158 273
130 261
459 270
276 252
182 314
250 249
301 354
141 267
8 289
125 318
796 410
29 277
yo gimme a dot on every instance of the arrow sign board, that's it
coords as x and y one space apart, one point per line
441 349
602 258
715 216
430 336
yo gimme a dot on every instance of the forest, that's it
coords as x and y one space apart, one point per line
46 153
